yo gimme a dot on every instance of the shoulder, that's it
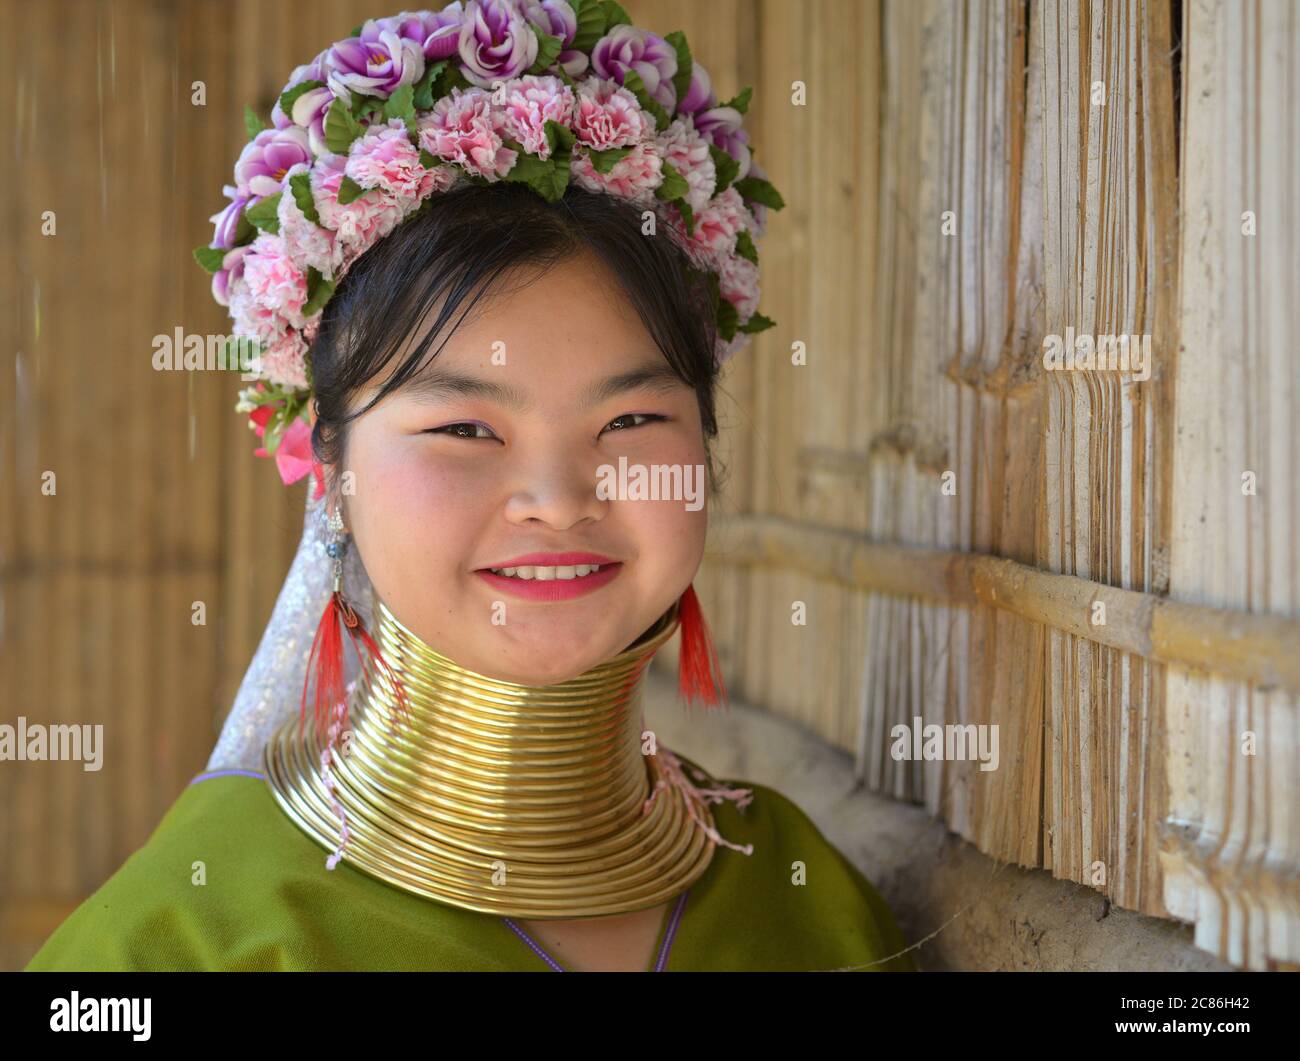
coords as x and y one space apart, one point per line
227 882
795 901
164 907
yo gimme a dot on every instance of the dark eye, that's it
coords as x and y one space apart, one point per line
646 418
461 430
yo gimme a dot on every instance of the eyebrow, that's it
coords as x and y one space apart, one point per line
437 384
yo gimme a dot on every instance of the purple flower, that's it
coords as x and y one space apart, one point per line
436 32
232 268
721 126
700 95
307 72
266 159
556 19
376 63
309 112
227 220
495 42
627 48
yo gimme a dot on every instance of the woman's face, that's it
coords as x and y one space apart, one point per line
501 455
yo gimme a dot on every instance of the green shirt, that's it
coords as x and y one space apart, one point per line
269 903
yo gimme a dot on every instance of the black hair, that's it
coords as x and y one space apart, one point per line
458 245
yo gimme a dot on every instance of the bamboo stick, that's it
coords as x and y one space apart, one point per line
1247 646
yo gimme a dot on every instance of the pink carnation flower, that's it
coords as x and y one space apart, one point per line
738 283
437 179
275 285
285 360
608 115
530 102
635 176
464 128
718 225
688 153
306 242
359 224
384 157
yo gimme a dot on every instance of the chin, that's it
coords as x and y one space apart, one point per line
544 664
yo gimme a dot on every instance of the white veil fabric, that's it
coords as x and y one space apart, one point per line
271 692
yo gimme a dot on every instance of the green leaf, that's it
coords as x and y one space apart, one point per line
758 190
674 185
604 161
244 232
350 191
252 122
591 24
240 350
725 166
633 83
274 433
226 353
757 323
401 104
340 128
688 216
451 78
290 95
262 214
428 159
685 64
740 102
560 137
356 30
614 15
539 175
548 48
300 186
745 247
319 291
550 177
209 257
423 95
728 319
366 107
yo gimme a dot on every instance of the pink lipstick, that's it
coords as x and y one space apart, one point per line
552 589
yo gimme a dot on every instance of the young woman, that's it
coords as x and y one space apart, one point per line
487 355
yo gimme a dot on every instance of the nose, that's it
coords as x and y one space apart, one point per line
557 488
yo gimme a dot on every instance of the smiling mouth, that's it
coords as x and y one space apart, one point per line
542 573
548 583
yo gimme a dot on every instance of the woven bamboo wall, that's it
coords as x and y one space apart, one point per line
1028 182
1232 841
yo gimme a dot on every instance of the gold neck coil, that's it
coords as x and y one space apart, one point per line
516 800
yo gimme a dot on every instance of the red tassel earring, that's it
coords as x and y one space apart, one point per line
699 675
330 713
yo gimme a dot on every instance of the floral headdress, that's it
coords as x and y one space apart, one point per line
544 92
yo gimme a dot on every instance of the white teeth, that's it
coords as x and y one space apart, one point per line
544 573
